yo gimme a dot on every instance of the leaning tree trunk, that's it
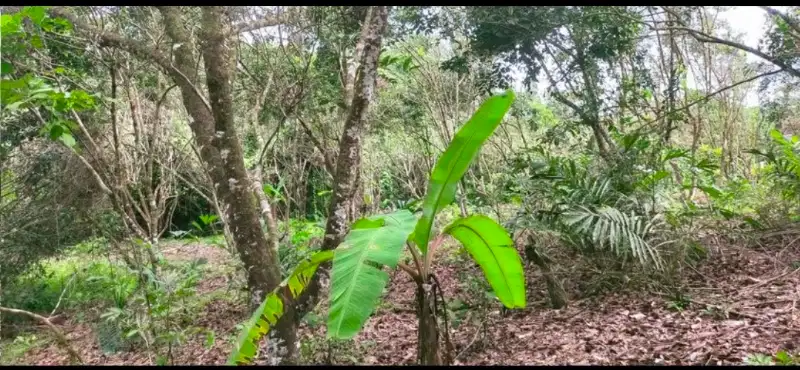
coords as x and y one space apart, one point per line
212 124
428 331
558 297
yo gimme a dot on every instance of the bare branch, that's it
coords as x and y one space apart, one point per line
62 340
244 27
706 38
709 96
134 47
328 162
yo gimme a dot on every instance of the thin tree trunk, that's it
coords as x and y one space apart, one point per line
558 298
348 162
218 142
267 214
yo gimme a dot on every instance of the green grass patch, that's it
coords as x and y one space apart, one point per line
13 350
87 281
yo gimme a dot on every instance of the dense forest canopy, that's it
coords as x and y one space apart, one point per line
274 184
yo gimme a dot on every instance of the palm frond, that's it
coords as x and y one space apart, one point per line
626 235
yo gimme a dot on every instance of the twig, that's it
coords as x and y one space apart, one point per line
472 342
62 293
62 340
765 282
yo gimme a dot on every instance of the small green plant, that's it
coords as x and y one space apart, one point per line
12 351
207 224
358 279
716 312
759 359
159 315
780 358
679 302
301 243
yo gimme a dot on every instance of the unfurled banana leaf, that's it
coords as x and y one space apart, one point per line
493 250
271 310
455 161
357 280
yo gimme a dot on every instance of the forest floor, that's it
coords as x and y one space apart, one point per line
738 302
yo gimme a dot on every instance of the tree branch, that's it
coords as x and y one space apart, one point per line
709 96
328 162
245 27
62 340
706 38
134 47
793 23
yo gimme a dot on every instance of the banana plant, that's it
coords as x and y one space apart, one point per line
357 277
272 308
374 243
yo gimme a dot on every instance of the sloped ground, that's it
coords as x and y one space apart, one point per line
740 302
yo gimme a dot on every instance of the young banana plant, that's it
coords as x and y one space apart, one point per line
358 275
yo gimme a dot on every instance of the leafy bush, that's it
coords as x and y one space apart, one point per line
159 315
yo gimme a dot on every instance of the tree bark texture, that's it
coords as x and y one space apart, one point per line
558 297
348 162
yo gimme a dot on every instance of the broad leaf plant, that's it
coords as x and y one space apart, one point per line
375 244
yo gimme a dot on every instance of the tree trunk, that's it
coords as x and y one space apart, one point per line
213 126
558 298
267 213
219 145
348 162
428 331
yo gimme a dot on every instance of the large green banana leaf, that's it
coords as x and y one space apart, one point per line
265 317
455 161
493 250
357 280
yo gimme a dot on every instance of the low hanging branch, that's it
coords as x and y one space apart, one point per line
711 39
60 337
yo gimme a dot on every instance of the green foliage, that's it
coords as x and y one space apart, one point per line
304 240
624 234
20 92
158 315
206 222
357 280
455 161
83 282
612 210
271 309
527 35
11 352
494 251
784 159
759 359
780 358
